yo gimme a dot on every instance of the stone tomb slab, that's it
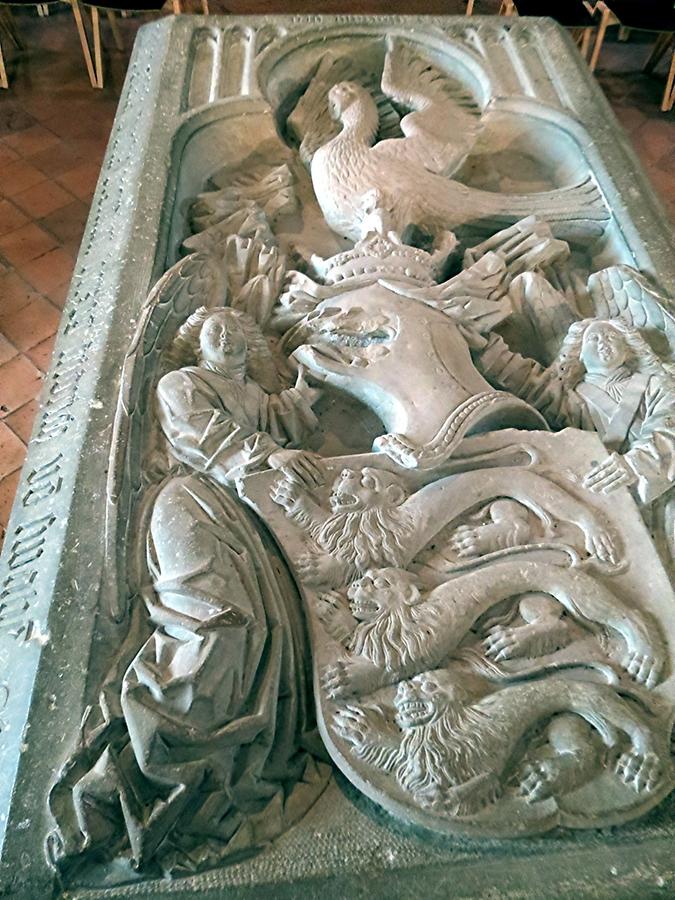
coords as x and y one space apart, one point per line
157 731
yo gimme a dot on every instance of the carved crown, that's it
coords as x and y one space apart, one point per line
385 256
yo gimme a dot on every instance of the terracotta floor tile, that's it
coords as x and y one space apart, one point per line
59 295
81 181
653 139
91 149
630 117
21 421
20 381
26 243
31 140
7 350
77 125
67 223
8 486
11 218
12 451
42 199
18 176
59 158
73 247
48 272
31 325
13 117
14 292
667 162
7 155
41 354
47 105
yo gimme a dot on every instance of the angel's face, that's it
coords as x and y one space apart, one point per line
603 349
340 97
222 343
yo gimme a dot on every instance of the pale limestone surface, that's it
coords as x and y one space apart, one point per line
372 339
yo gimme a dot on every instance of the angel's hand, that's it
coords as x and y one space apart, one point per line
612 473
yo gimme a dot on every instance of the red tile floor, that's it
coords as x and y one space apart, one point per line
53 132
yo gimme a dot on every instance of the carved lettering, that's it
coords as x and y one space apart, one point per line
16 595
68 371
29 542
43 482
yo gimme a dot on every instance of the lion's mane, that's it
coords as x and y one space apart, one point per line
448 751
400 636
366 539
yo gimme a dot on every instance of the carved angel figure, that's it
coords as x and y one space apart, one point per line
415 170
218 419
211 709
605 379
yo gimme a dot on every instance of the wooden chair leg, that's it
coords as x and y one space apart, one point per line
585 42
507 8
205 7
114 27
600 37
177 8
658 51
96 28
3 71
669 93
86 52
469 8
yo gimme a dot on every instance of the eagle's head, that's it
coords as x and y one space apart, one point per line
341 96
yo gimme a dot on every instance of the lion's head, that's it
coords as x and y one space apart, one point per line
446 741
356 490
395 621
367 528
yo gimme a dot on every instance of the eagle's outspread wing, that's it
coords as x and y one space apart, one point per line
445 120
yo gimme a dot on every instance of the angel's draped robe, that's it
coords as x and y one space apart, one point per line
215 701
227 428
632 412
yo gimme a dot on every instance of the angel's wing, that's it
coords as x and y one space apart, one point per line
310 124
445 121
621 291
198 279
271 189
225 269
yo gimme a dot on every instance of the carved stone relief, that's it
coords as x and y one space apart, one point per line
403 435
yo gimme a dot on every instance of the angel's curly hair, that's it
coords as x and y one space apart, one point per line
260 365
641 357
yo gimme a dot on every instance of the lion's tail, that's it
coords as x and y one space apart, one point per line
584 670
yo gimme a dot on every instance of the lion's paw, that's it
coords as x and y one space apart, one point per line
528 641
641 771
538 780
